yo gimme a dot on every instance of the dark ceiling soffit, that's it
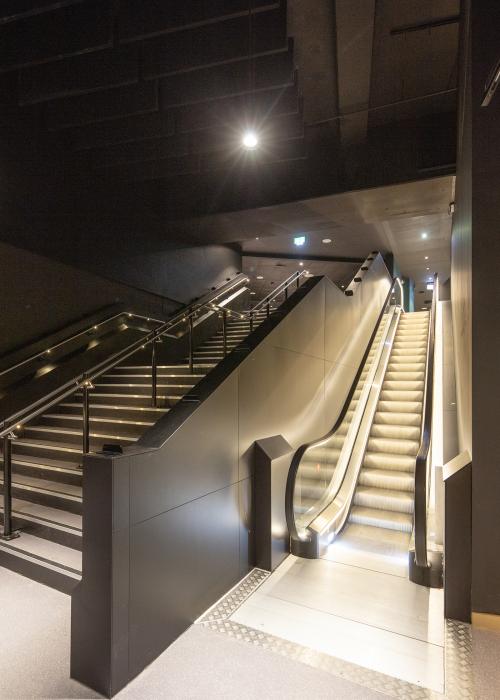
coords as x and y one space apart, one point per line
407 28
297 256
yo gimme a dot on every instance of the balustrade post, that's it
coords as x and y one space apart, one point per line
191 361
224 331
86 387
154 375
8 532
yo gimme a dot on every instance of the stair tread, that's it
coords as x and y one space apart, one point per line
46 485
43 462
97 419
46 551
51 516
51 430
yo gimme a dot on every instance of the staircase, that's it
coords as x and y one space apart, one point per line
384 495
47 456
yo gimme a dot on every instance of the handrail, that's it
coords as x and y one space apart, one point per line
222 289
86 378
85 331
294 277
297 458
421 466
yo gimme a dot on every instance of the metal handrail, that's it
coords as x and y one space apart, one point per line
84 381
94 326
297 458
421 462
85 331
283 286
37 407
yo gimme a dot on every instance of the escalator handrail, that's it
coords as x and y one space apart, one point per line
421 471
297 458
40 405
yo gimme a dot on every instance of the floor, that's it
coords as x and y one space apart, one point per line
34 659
224 658
358 605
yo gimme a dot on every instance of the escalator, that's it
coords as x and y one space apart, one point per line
366 483
108 407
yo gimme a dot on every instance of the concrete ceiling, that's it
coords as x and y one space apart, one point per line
276 270
388 219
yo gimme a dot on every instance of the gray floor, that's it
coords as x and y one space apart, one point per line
34 659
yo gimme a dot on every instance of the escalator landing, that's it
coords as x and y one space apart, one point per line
360 612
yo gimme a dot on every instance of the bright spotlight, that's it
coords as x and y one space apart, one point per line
250 140
299 240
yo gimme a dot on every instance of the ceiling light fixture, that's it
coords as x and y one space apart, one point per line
299 240
250 140
260 277
426 257
301 264
326 240
256 238
424 234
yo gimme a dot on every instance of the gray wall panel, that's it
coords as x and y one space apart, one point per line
181 562
197 459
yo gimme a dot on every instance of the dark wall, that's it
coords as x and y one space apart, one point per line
485 34
39 296
179 274
475 294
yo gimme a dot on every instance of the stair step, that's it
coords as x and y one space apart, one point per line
50 493
387 479
400 407
46 468
52 524
395 395
74 435
121 411
393 446
402 385
388 520
398 432
384 499
383 460
394 418
44 561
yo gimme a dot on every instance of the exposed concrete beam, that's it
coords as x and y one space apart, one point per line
354 22
298 256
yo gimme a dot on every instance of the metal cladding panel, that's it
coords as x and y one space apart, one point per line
180 563
101 106
88 72
11 10
125 130
228 79
139 19
200 458
215 43
49 36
